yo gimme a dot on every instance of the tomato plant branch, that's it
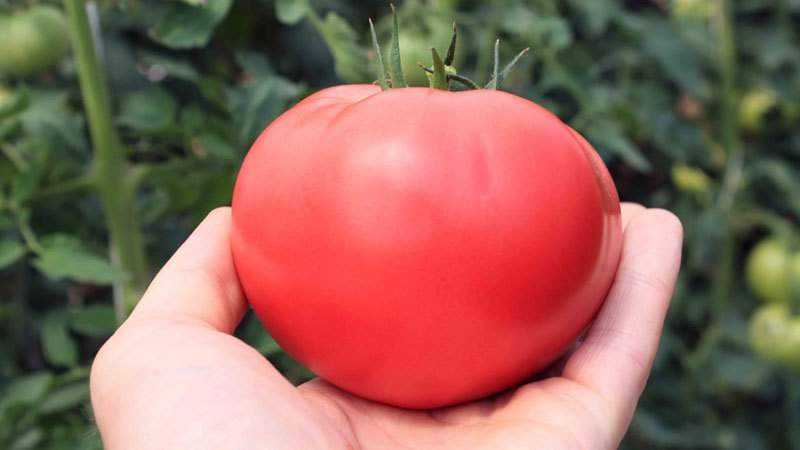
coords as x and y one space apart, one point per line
67 187
110 172
729 134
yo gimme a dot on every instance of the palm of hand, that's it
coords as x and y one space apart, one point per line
174 377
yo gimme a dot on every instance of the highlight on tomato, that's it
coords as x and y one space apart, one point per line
423 247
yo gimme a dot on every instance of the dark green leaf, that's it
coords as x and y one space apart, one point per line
10 252
65 398
94 320
149 111
26 390
59 348
350 60
186 26
291 11
608 138
64 256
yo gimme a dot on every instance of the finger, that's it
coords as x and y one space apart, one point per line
629 211
199 282
617 354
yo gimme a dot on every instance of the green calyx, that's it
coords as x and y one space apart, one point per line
442 72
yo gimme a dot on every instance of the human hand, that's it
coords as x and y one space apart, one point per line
173 377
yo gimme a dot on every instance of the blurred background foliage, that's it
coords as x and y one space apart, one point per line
693 106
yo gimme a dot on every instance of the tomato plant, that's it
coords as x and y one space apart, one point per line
422 247
33 40
771 270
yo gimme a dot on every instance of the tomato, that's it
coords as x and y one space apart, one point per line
33 40
6 98
754 107
690 179
775 335
421 247
692 9
771 270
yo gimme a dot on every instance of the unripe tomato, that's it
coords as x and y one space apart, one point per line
421 247
692 9
32 40
690 179
6 98
770 270
775 335
754 106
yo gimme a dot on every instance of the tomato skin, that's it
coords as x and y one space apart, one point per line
421 247
770 270
33 40
775 335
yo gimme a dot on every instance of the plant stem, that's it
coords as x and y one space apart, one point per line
110 172
66 187
723 277
731 141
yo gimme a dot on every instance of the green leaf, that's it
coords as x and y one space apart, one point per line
94 320
676 59
607 136
10 252
291 12
64 256
350 61
26 390
65 398
27 181
187 26
173 67
50 120
212 144
262 98
58 346
28 440
149 111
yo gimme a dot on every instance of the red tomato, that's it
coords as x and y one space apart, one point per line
421 247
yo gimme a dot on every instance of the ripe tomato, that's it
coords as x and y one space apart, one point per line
770 270
33 40
421 247
775 335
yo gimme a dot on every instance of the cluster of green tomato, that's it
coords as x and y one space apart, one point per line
773 273
33 40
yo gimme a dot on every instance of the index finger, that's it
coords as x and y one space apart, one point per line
617 354
199 281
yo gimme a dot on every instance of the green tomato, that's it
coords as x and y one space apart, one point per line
32 41
692 9
771 271
754 106
690 179
775 335
6 97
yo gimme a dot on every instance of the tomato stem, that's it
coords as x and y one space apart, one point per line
442 71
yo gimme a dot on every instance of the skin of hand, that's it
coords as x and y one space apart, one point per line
173 376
